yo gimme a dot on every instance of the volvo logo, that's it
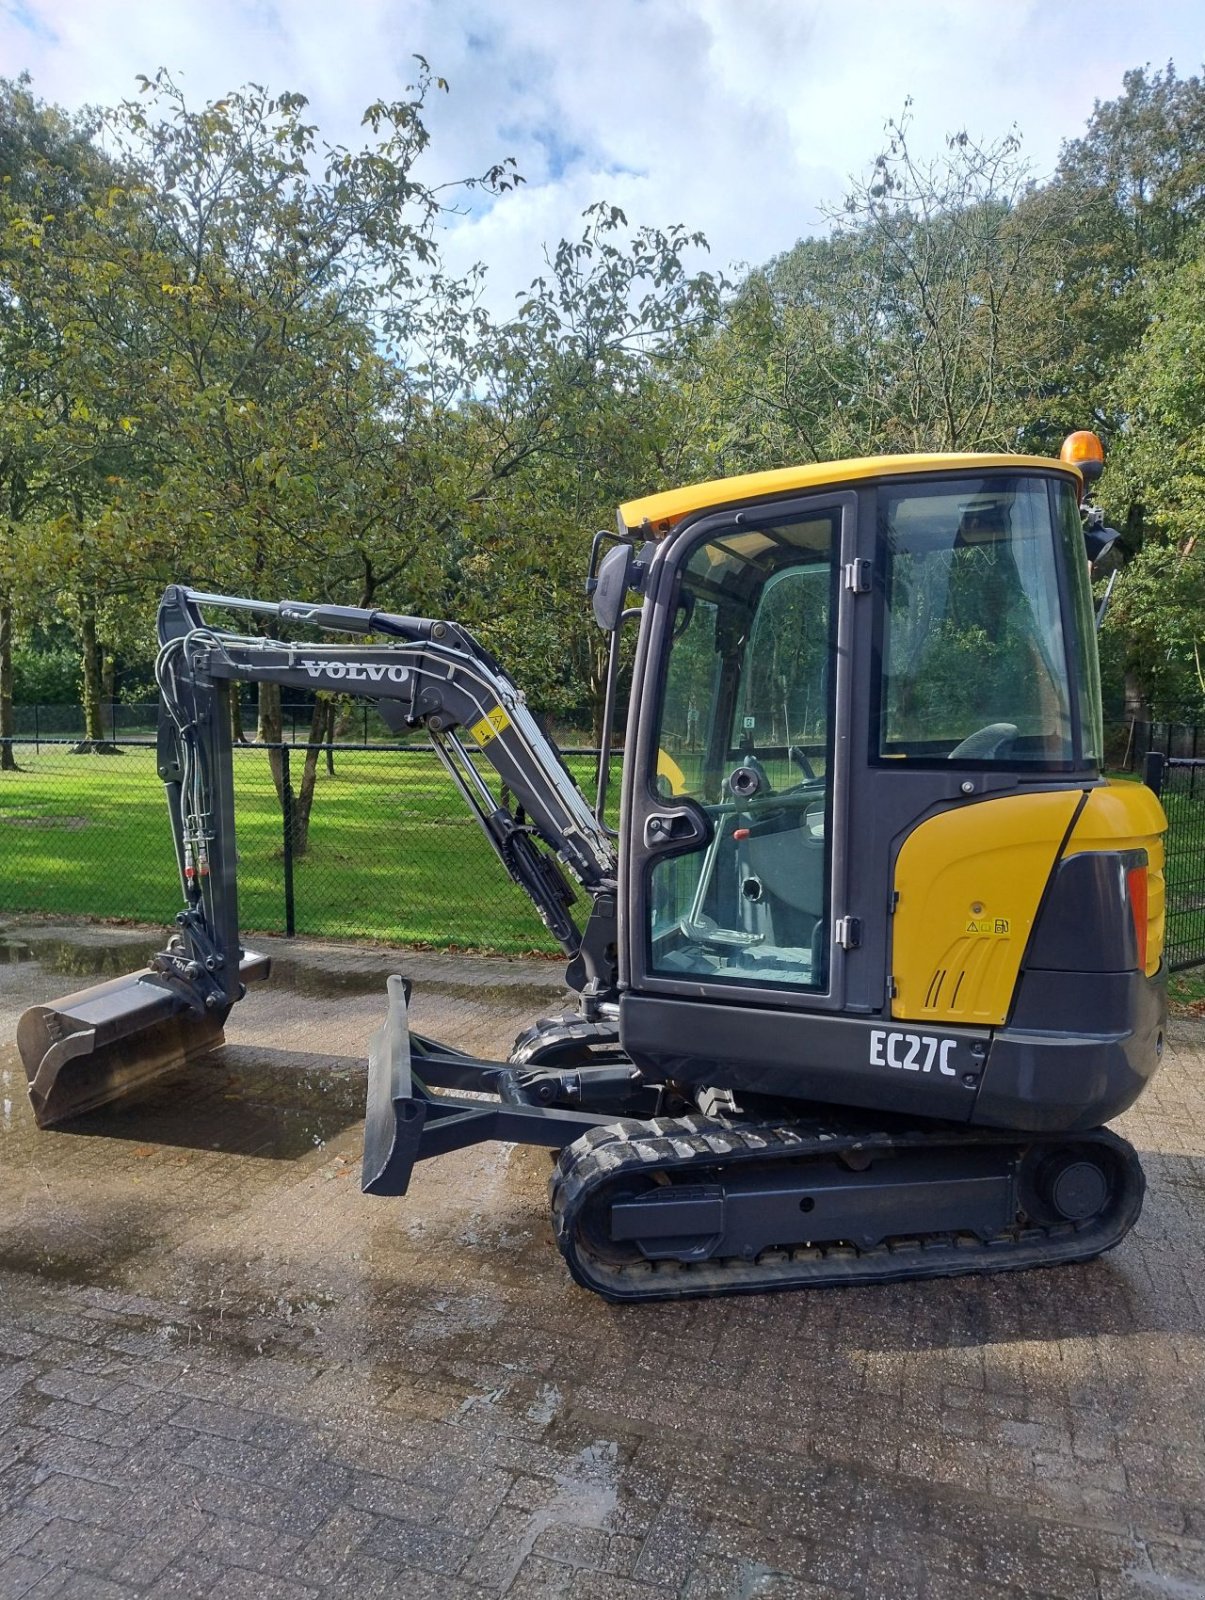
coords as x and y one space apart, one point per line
357 671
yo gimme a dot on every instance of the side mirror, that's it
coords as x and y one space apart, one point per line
615 578
1097 538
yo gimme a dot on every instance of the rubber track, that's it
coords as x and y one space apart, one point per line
614 1153
547 1040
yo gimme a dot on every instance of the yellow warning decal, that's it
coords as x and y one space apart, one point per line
490 726
995 925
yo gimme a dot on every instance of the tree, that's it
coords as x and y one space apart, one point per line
912 326
1126 196
49 170
576 405
273 282
1159 468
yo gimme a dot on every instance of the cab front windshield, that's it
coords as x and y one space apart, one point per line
975 660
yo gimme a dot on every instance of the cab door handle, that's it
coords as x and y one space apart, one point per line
663 828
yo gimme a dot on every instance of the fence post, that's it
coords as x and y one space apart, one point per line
1152 770
37 733
286 805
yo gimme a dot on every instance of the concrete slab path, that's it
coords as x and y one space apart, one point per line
225 1372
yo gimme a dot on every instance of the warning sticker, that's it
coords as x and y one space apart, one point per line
998 926
490 726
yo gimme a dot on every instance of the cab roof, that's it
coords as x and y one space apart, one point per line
660 512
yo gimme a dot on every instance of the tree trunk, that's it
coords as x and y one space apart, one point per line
94 741
8 761
108 686
93 727
321 725
270 731
1138 721
237 735
1137 708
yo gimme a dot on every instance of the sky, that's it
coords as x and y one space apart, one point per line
742 118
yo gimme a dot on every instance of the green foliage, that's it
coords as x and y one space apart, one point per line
1135 187
1158 614
46 676
1160 389
577 406
229 353
1159 474
911 326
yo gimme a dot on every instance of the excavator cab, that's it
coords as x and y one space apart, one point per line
889 678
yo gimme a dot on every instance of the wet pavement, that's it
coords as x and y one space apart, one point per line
224 1371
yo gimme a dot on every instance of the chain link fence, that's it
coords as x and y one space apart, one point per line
390 852
1179 781
122 722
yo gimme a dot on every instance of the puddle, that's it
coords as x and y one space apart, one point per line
546 1405
81 1235
227 1311
585 1496
274 1104
451 1319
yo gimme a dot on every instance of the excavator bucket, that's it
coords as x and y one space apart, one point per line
99 1044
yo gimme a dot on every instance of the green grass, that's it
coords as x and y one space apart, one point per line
393 853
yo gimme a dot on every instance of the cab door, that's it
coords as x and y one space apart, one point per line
734 826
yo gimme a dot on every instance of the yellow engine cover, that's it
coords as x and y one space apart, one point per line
969 883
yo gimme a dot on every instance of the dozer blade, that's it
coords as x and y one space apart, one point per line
394 1118
99 1044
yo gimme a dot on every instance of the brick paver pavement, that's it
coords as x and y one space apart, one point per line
225 1372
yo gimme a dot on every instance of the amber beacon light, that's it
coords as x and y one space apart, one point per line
1084 450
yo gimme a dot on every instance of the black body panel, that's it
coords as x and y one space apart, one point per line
1089 1069
837 1060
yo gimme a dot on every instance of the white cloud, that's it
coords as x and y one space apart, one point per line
740 117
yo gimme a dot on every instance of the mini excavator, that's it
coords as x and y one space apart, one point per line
876 950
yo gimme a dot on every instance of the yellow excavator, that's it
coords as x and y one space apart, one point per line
876 950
